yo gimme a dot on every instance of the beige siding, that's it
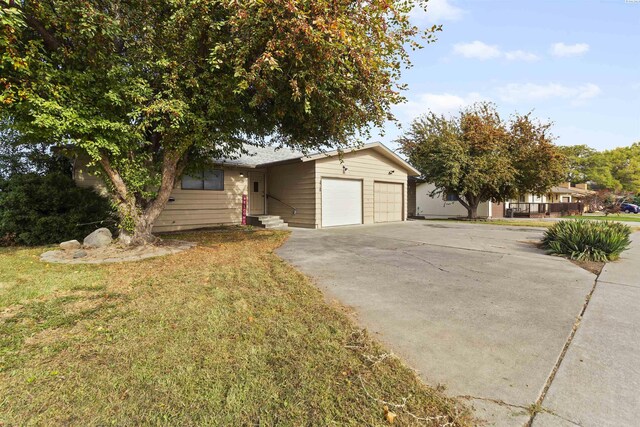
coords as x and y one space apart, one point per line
293 184
204 208
428 206
84 175
366 165
191 208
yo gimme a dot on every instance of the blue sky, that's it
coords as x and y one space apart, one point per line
576 63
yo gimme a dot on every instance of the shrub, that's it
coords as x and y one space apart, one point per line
42 209
584 240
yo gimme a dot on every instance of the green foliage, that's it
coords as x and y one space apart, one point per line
584 240
145 87
579 161
617 170
36 209
479 157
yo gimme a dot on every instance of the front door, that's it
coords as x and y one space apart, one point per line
256 193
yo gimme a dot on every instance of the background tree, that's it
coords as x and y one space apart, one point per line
146 88
617 170
480 157
579 162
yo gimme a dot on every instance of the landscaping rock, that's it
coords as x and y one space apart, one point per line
100 238
70 245
79 254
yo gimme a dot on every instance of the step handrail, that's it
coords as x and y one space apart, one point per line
295 211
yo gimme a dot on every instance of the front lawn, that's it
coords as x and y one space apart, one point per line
224 334
611 217
507 222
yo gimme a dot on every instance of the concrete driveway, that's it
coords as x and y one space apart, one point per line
477 308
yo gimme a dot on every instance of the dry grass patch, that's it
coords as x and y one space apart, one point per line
224 334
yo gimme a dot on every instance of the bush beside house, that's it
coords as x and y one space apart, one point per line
41 209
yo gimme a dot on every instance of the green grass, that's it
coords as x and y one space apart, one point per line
611 217
507 222
224 334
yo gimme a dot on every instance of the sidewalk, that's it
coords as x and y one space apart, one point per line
598 382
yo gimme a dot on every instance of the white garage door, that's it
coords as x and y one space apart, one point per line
341 202
387 201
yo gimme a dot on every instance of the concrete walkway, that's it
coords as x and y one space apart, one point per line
477 308
598 382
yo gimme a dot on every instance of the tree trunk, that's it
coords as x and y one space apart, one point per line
470 203
136 222
472 211
141 234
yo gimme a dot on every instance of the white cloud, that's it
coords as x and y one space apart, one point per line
437 12
480 50
438 103
521 55
526 92
477 50
564 50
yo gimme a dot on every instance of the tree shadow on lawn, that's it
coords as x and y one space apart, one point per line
224 334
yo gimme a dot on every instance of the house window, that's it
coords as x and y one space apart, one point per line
206 180
452 197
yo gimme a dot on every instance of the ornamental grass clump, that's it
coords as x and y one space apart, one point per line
584 240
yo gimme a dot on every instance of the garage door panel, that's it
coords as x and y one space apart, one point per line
341 202
388 201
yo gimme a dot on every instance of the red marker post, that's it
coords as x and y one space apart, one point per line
244 209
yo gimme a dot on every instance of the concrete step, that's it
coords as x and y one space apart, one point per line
282 226
267 221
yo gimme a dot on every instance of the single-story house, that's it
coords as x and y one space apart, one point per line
562 193
446 206
364 185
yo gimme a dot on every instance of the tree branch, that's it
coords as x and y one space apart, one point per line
115 178
170 170
50 42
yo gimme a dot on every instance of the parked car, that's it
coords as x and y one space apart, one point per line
629 208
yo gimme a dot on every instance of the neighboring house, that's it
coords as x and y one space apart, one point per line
363 186
563 193
446 206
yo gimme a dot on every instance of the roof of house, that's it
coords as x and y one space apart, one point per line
260 156
267 156
567 190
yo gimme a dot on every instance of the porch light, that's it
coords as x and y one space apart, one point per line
344 169
391 172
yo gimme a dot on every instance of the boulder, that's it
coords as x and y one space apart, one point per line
70 245
98 239
79 254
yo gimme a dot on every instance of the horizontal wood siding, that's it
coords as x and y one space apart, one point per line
85 177
191 208
366 165
205 208
293 184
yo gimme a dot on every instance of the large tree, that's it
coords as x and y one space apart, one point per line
617 169
146 88
579 162
477 156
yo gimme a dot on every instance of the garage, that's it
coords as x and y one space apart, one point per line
341 202
387 201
